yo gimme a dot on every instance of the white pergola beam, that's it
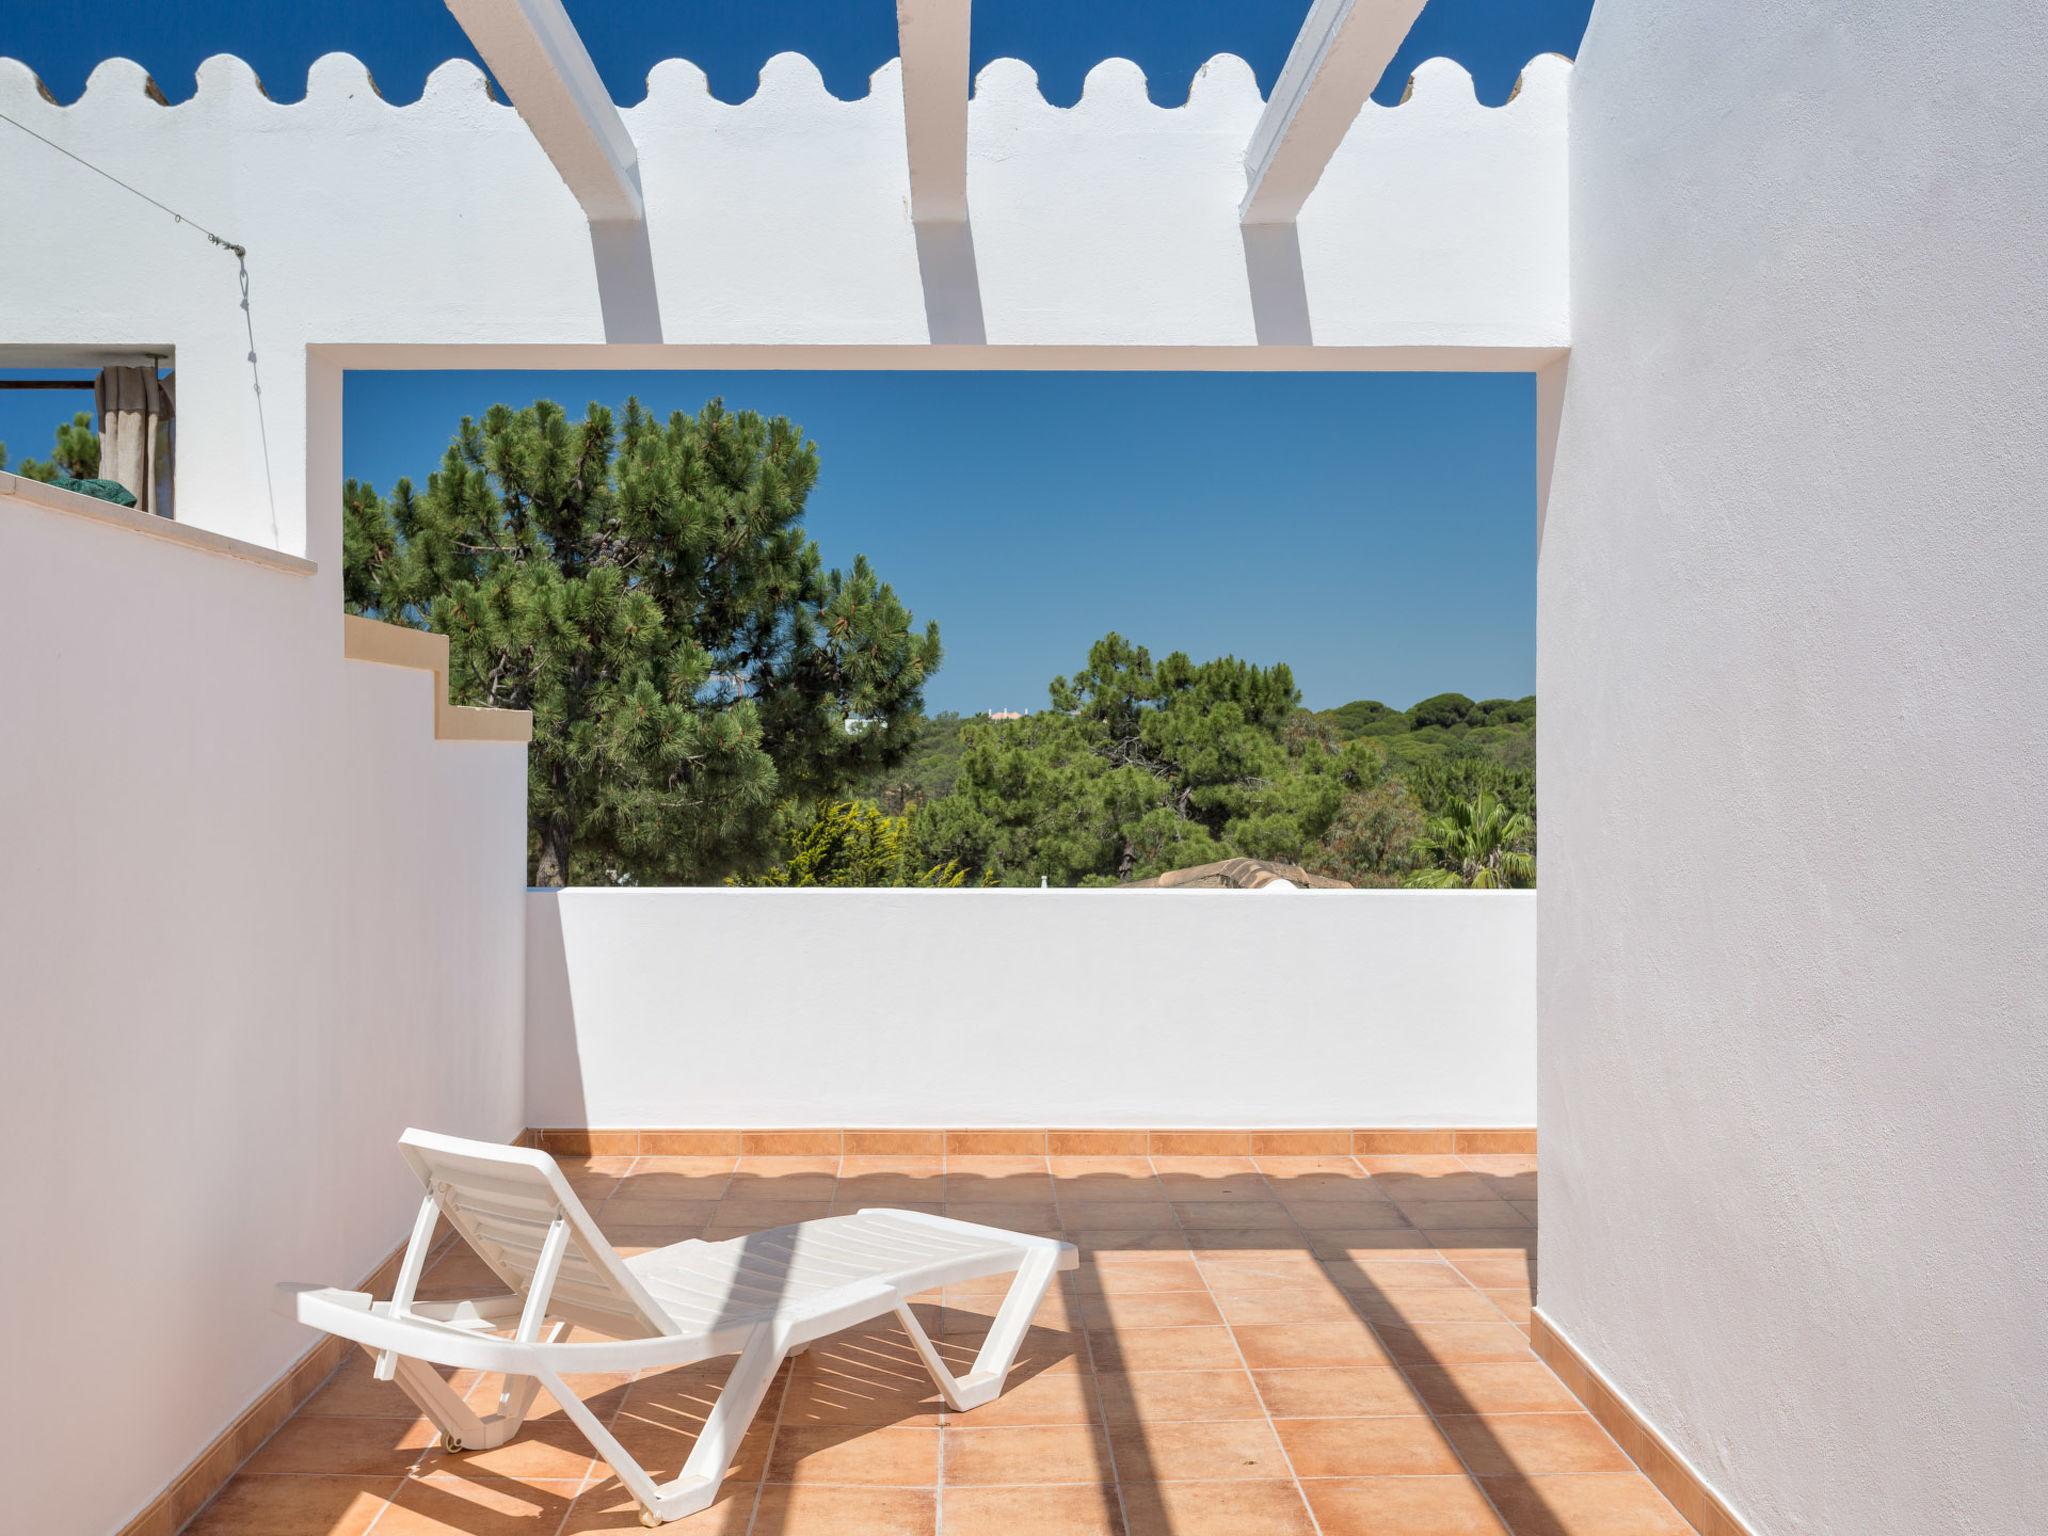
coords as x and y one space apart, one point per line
1337 59
932 38
534 50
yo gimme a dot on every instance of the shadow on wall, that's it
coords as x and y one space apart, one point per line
553 1056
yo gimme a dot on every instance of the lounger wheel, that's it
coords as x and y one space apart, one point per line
649 1518
451 1444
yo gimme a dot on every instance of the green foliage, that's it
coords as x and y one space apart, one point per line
1477 845
648 591
74 456
853 843
1443 709
1141 767
928 769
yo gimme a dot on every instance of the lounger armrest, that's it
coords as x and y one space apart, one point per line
290 1298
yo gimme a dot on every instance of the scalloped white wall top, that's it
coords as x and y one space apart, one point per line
1437 237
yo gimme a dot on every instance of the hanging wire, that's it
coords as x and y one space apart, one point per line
220 240
241 255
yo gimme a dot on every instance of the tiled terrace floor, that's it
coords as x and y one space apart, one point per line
1252 1347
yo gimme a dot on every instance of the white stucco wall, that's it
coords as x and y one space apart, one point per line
256 921
1156 1009
1795 688
1436 240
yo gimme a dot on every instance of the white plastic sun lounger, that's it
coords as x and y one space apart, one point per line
761 1297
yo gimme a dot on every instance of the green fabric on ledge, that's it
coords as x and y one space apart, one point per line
105 490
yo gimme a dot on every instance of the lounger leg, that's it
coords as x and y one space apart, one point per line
999 1350
462 1428
710 1459
459 1424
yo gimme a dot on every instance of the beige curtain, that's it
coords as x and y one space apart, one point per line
135 410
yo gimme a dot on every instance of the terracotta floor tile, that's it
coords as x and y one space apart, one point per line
1463 1184
1267 1272
1151 1309
1163 1349
1381 1447
1349 1245
1153 1452
606 1509
1050 1397
1106 1170
755 1213
821 1394
1130 1242
624 1212
1042 1511
1402 1506
1490 1388
552 1450
1445 1343
1534 1444
1514 1304
1276 1346
477 1506
1497 1274
825 1511
1117 1217
678 1179
1456 1243
1394 1272
1037 1453
1432 1215
1501 1162
855 1454
996 1166
348 1446
1176 1169
1348 1216
923 1165
1140 1272
1426 1305
889 1189
1279 1166
1337 1391
1198 1189
1168 1397
1296 1305
604 1394
1011 1216
1215 1509
632 1238
767 1166
294 1506
1603 1505
1426 1165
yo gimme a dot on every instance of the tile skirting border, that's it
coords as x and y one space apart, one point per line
1688 1492
208 1472
590 1141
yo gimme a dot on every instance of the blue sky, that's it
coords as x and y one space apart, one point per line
1376 532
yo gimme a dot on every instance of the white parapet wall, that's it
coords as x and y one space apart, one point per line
257 920
1126 1009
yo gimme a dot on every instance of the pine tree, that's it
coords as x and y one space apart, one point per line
74 456
1141 767
648 591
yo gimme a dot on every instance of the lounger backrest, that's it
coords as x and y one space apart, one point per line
503 1200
